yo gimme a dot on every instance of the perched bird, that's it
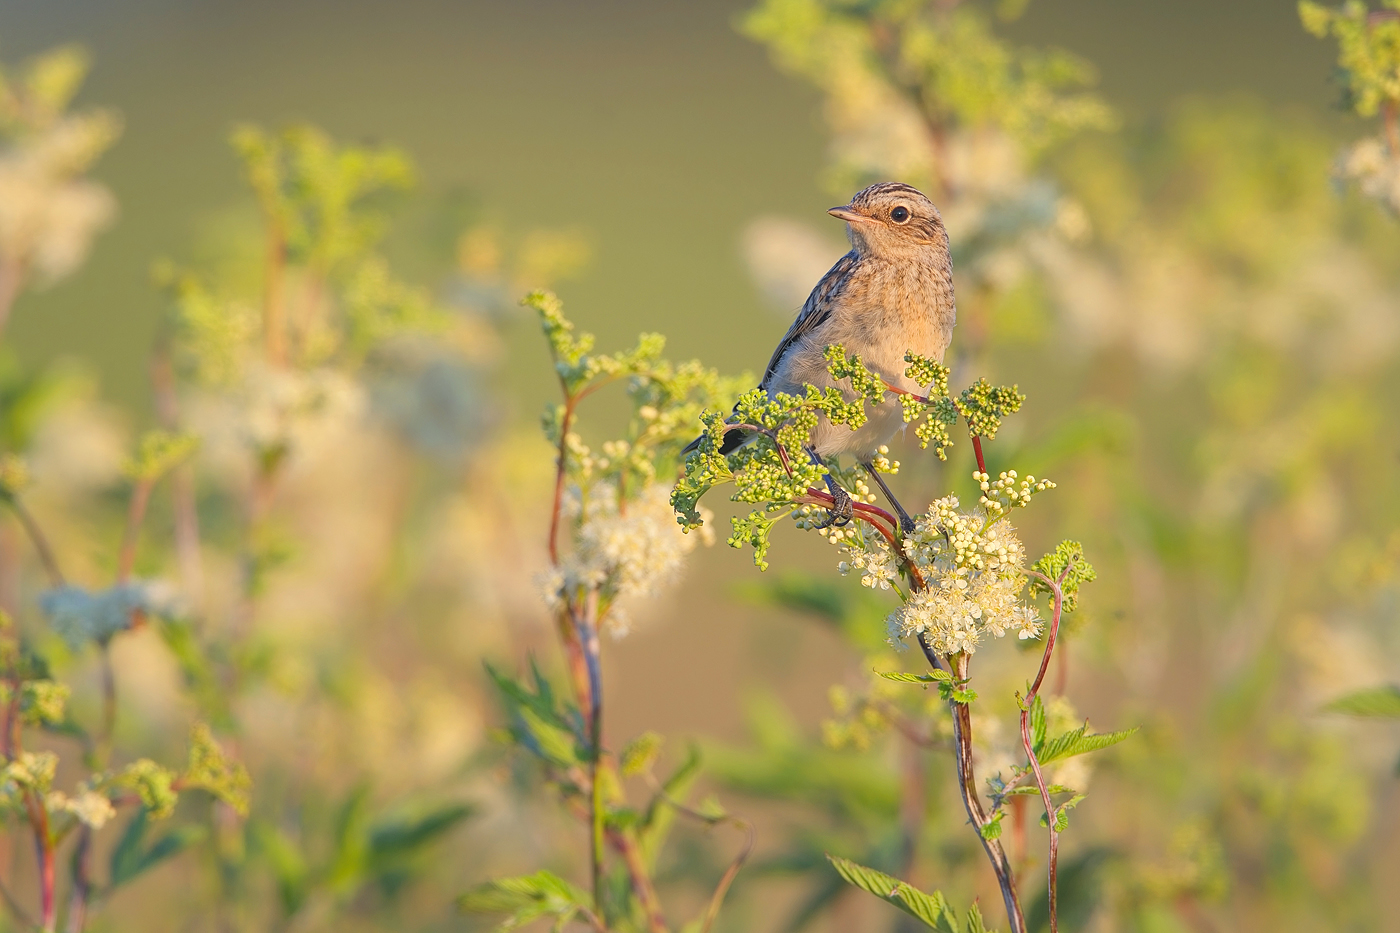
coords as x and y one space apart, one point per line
891 294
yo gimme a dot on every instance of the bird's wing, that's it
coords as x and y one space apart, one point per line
814 311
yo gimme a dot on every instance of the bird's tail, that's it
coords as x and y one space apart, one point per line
734 438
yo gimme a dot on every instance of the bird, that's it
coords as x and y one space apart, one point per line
891 294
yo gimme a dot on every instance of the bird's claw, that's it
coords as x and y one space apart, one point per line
842 509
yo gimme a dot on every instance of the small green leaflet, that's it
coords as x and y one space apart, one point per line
1062 813
1375 702
1037 722
1076 742
132 857
525 898
932 909
901 677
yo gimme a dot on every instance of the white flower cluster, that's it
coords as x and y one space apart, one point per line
624 551
972 565
283 409
49 213
1375 168
90 807
866 552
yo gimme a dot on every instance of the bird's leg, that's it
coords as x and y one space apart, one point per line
906 524
842 507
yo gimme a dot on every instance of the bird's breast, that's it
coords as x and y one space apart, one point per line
903 307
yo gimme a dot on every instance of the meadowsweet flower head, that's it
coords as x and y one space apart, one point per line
624 549
972 563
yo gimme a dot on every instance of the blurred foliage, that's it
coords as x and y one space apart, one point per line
287 582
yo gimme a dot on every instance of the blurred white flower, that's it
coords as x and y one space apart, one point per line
787 258
626 551
1374 168
48 212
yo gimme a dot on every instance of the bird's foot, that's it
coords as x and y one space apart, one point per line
842 510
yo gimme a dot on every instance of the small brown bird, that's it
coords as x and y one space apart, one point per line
891 294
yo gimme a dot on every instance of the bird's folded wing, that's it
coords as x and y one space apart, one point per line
814 311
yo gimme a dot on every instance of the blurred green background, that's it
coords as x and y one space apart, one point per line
653 126
1214 391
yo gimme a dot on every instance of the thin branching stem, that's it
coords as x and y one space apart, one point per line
38 539
727 879
957 665
16 908
1051 812
560 474
587 625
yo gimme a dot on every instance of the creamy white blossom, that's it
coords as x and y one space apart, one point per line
626 550
972 564
1375 168
90 807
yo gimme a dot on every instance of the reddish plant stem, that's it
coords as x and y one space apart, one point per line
586 624
967 786
131 536
43 848
1051 814
560 474
977 449
82 883
864 513
641 880
38 816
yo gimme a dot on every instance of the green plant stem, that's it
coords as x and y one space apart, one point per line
560 474
182 480
37 538
721 889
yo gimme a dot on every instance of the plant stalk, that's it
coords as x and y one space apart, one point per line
967 787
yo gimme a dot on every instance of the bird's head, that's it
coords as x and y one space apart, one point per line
891 219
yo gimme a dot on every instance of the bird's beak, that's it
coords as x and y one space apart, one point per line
849 216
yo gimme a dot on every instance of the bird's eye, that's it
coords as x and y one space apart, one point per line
900 215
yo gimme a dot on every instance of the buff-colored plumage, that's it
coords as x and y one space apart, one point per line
892 293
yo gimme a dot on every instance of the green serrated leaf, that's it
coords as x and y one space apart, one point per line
1077 742
928 908
525 898
1374 702
1037 719
933 676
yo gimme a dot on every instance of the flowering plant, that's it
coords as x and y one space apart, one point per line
960 575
